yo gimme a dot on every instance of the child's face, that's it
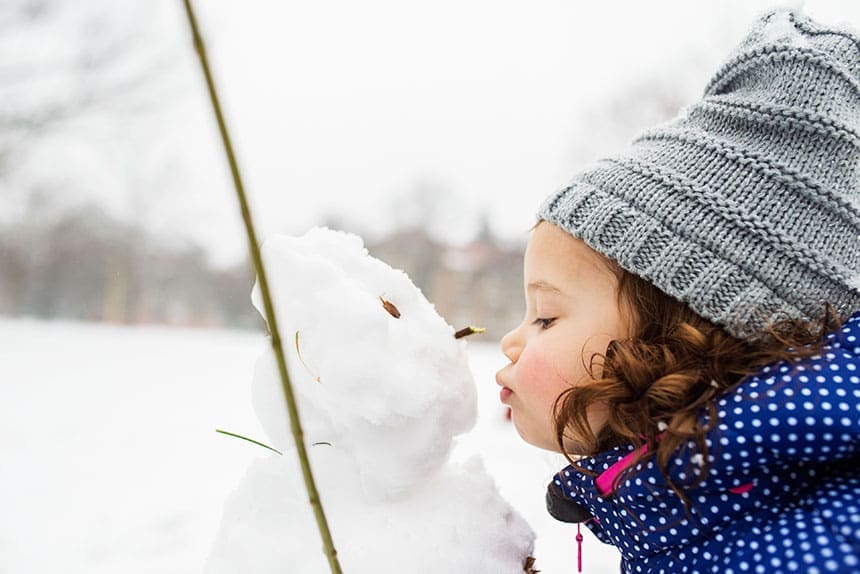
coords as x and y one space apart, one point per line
572 312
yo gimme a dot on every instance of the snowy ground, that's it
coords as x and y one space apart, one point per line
110 462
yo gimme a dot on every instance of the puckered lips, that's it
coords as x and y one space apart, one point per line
506 392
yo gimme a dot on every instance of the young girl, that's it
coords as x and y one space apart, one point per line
691 340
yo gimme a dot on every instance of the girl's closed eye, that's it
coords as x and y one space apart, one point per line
544 323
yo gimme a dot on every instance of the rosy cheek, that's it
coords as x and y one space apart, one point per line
537 376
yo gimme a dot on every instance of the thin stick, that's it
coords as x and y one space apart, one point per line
466 331
298 435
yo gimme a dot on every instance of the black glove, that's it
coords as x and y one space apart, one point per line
563 508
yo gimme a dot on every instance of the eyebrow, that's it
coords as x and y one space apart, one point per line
543 286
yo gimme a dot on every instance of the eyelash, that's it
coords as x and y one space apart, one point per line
544 323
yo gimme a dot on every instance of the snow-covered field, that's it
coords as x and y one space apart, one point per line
110 461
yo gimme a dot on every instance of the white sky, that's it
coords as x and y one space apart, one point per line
345 108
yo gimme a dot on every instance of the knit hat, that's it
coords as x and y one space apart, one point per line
746 207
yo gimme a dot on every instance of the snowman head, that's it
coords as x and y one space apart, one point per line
377 373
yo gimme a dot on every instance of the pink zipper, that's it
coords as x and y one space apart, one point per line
608 479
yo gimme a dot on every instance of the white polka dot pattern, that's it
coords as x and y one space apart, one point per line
782 491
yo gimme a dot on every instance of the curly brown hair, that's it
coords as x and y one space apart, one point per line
670 371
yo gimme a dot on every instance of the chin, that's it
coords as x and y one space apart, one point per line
524 434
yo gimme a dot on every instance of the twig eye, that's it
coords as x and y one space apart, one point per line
389 306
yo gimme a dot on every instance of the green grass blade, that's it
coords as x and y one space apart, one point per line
249 440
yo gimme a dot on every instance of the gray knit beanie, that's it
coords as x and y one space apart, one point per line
747 206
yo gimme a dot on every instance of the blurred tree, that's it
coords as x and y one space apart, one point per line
83 90
85 264
60 60
609 124
72 77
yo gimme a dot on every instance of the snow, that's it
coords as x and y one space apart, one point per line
110 460
111 463
780 28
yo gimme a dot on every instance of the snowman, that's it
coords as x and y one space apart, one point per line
383 387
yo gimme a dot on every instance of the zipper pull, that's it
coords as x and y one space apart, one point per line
578 548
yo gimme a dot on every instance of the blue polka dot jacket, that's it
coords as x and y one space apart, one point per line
782 491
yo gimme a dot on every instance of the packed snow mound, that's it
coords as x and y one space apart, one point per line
382 388
453 522
389 393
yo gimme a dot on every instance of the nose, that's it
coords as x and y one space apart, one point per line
512 344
